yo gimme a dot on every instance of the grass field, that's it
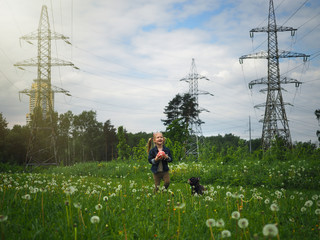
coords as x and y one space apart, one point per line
115 200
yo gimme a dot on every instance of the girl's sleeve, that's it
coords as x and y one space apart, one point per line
169 155
151 157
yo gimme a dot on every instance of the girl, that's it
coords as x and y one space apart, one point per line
159 156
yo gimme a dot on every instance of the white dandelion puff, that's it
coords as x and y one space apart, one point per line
27 197
225 234
235 215
95 219
220 223
105 198
270 230
243 222
274 207
308 203
3 218
98 206
210 222
77 205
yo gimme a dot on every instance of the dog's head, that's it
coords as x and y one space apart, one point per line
193 181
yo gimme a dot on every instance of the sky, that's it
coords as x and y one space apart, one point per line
132 54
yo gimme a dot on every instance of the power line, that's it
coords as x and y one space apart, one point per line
295 12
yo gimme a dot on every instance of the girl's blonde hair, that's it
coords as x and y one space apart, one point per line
150 142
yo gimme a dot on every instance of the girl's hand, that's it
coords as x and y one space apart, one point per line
161 155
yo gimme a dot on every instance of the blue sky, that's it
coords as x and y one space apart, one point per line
132 54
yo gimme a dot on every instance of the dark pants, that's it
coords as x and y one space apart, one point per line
157 178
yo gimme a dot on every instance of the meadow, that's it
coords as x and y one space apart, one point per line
251 199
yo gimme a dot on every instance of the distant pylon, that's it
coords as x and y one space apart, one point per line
42 148
275 123
195 125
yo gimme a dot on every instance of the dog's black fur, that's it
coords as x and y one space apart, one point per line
195 186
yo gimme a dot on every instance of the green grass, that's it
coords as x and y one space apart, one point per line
133 211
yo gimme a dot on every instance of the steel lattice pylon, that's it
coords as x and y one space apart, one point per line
42 148
195 126
275 123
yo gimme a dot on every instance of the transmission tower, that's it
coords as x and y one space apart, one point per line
275 123
195 125
42 149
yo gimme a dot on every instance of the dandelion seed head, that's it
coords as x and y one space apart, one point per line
210 222
270 230
317 211
26 197
225 234
235 215
274 207
77 205
220 223
308 203
98 206
243 222
95 219
105 198
303 209
180 205
3 218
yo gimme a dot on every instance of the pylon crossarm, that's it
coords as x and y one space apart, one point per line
261 54
28 62
267 29
287 54
286 80
59 62
263 80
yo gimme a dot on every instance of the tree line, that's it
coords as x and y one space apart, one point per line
81 138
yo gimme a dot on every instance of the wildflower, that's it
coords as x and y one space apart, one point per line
274 207
98 206
235 215
77 205
308 203
27 197
228 194
267 201
317 211
70 190
3 218
105 198
303 209
315 197
225 234
318 203
210 222
180 205
220 223
243 222
95 219
270 230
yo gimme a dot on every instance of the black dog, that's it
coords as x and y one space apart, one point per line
195 186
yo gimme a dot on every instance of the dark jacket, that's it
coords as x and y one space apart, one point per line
152 155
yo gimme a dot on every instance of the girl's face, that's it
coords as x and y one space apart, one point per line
158 138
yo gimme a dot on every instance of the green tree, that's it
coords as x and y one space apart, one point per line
183 108
88 134
17 143
317 113
123 147
3 135
140 151
110 140
65 123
